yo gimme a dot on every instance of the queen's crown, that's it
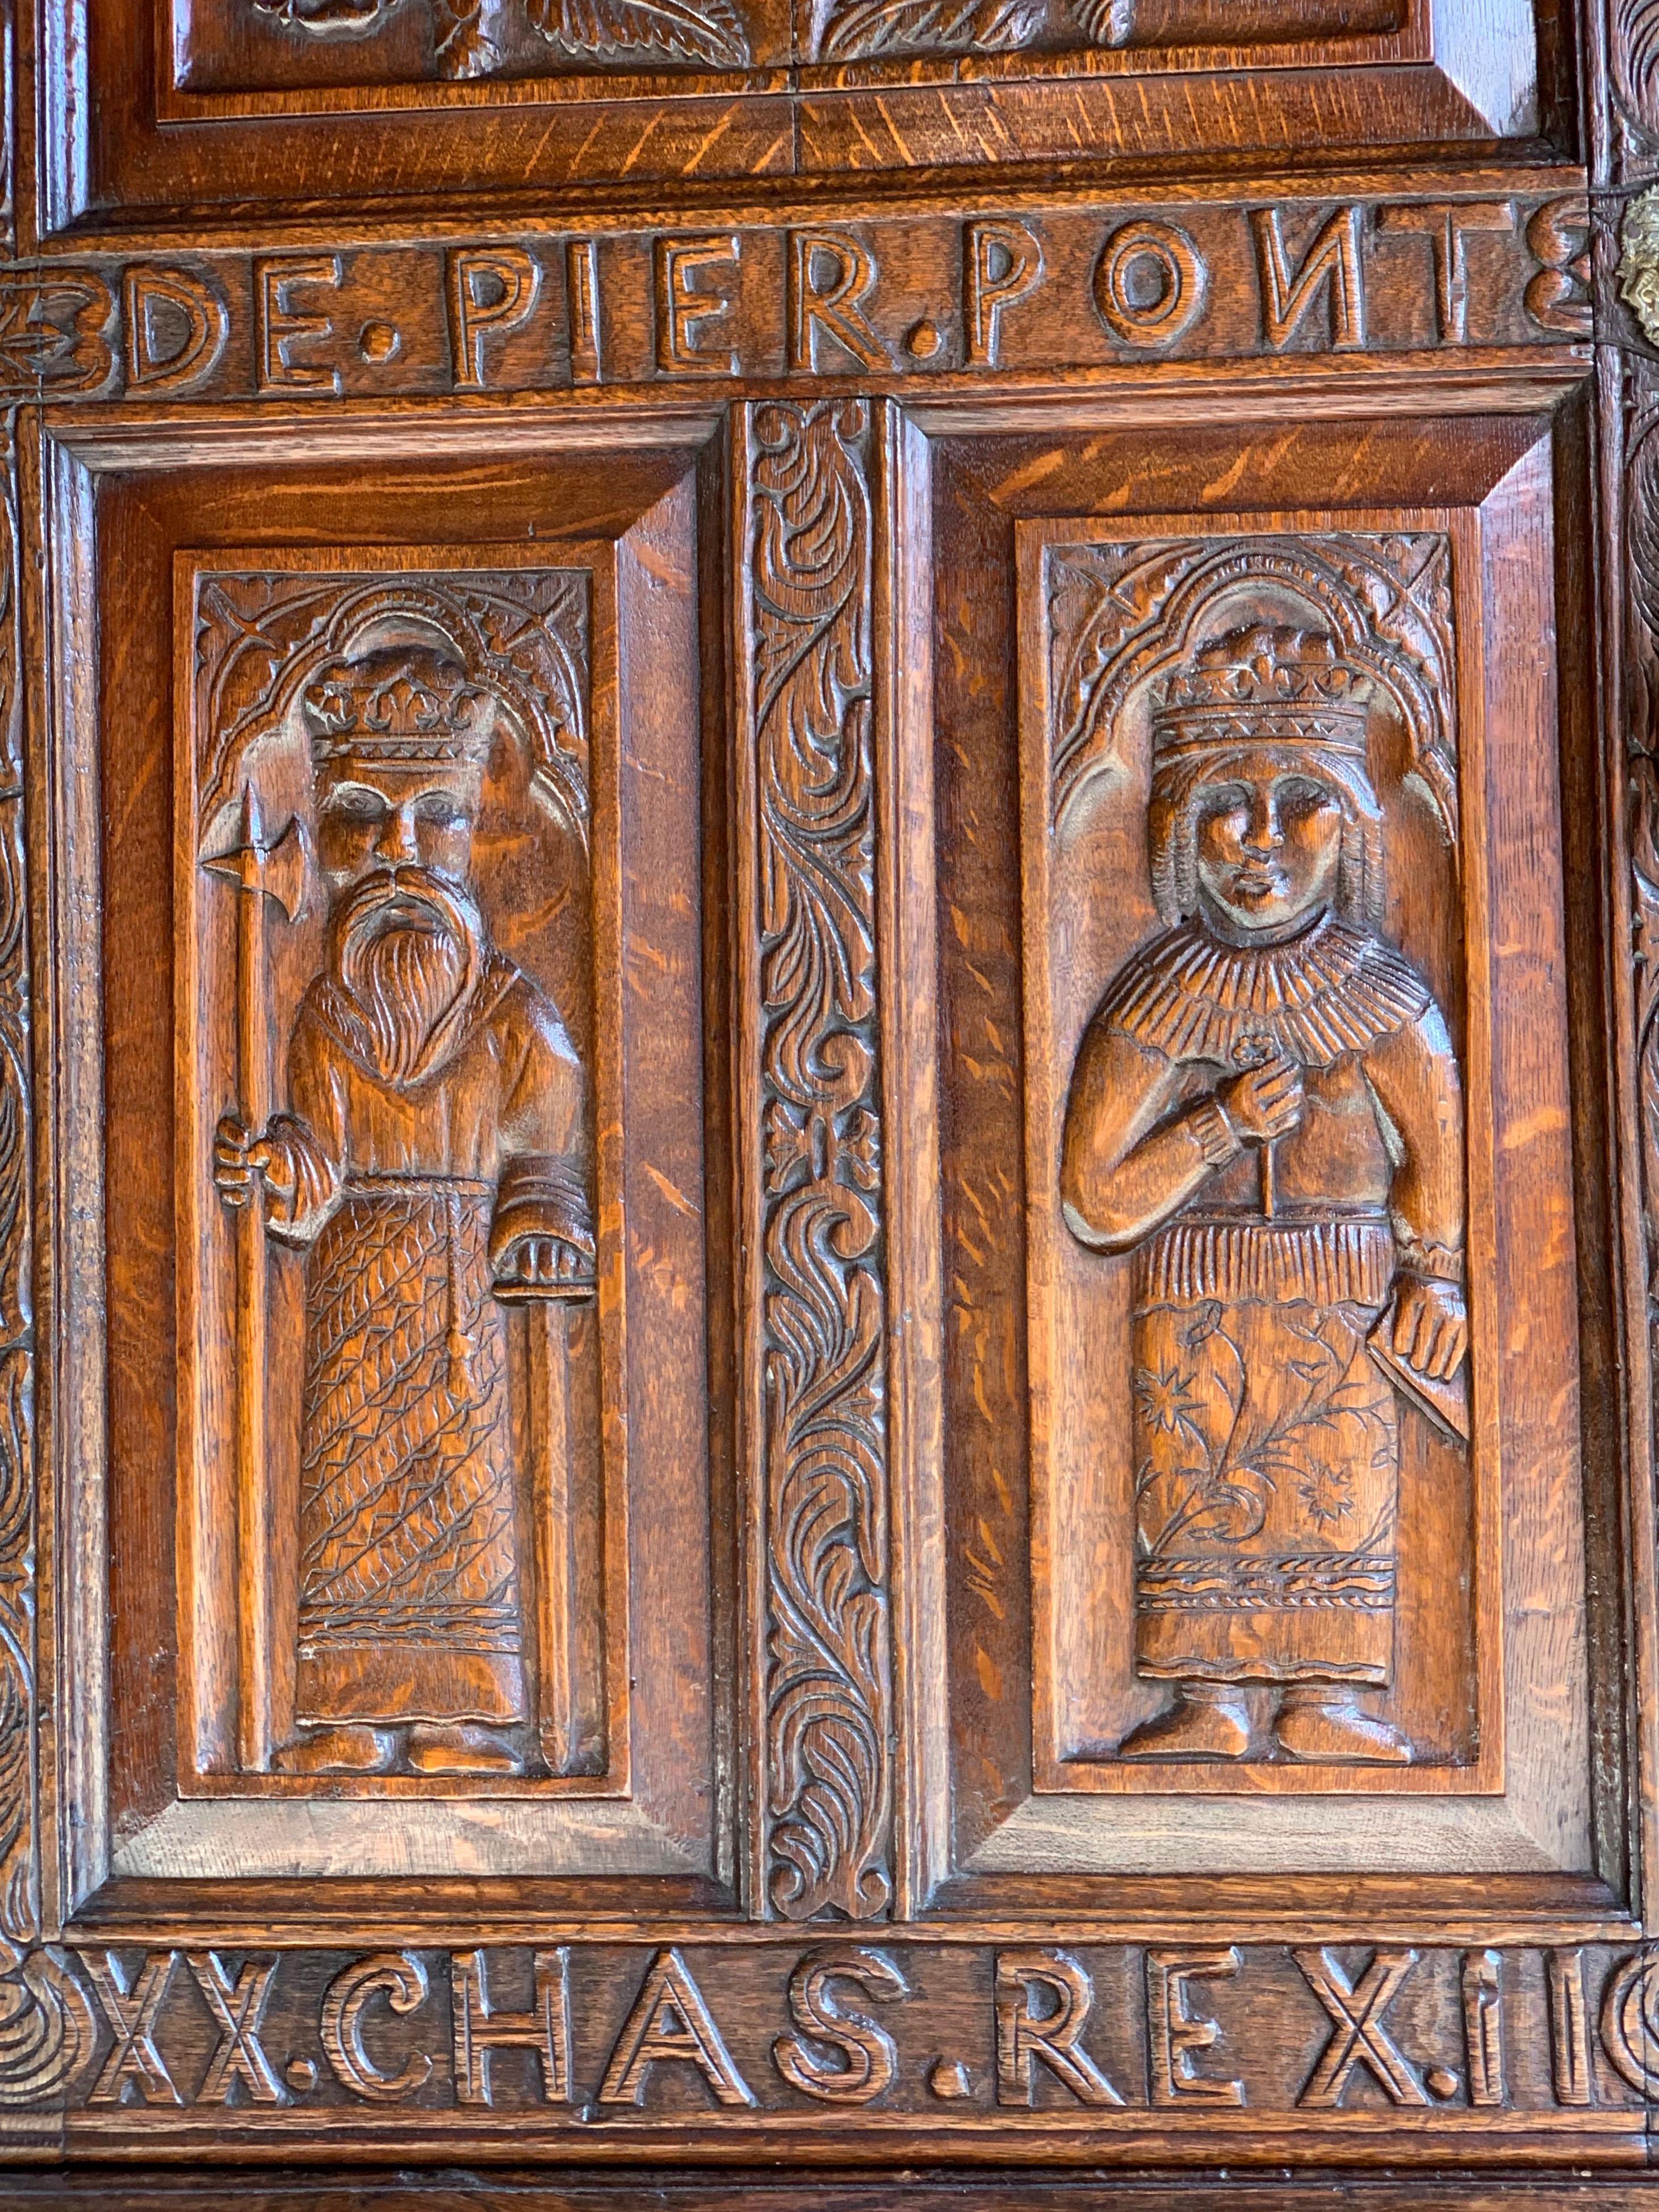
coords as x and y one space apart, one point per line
1266 683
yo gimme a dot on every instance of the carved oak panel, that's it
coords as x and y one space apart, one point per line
829 1102
1266 1110
412 1125
203 100
441 1289
792 1575
1232 1300
277 45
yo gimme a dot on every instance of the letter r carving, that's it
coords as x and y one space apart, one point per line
1025 2035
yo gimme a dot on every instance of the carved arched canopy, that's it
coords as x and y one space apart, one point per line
522 634
1121 615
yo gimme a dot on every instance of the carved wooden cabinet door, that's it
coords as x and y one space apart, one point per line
829 1103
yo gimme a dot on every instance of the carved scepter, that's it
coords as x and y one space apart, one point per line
259 872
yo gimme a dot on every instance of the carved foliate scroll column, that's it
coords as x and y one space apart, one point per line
822 1763
1630 389
46 2028
1624 159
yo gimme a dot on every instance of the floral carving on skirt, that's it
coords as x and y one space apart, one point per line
1267 1453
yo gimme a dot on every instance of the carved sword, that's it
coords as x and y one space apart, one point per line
552 1510
259 872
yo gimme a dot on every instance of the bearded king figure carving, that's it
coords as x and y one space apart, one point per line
1266 1111
433 1161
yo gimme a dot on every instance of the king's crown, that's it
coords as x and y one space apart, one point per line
403 706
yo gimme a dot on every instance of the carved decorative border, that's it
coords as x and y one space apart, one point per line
525 631
1633 73
46 2030
1539 2054
1370 277
506 37
1119 613
1637 733
511 38
1642 738
828 1696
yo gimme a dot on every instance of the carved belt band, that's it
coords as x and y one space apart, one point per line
1330 1263
370 1185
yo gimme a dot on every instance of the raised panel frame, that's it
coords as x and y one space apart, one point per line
143 144
668 1824
964 463
1563 1962
1071 1752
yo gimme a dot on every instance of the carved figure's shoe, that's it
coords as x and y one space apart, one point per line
461 1747
1328 1725
354 1748
1204 1723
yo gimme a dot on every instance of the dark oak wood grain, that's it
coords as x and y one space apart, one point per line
829 1102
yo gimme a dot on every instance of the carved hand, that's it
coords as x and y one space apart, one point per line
545 1260
1431 1326
1263 1102
238 1156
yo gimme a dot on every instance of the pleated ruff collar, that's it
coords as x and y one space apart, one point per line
1333 990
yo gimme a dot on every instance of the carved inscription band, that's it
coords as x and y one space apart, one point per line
413 2041
913 295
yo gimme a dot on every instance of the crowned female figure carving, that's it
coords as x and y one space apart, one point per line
1266 1110
433 1160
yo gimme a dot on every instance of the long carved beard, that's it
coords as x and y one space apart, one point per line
405 946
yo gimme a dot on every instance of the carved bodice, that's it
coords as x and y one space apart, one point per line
1338 1159
1381 1116
1330 992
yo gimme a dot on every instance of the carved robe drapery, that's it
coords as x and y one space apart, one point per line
409 1195
1265 1434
